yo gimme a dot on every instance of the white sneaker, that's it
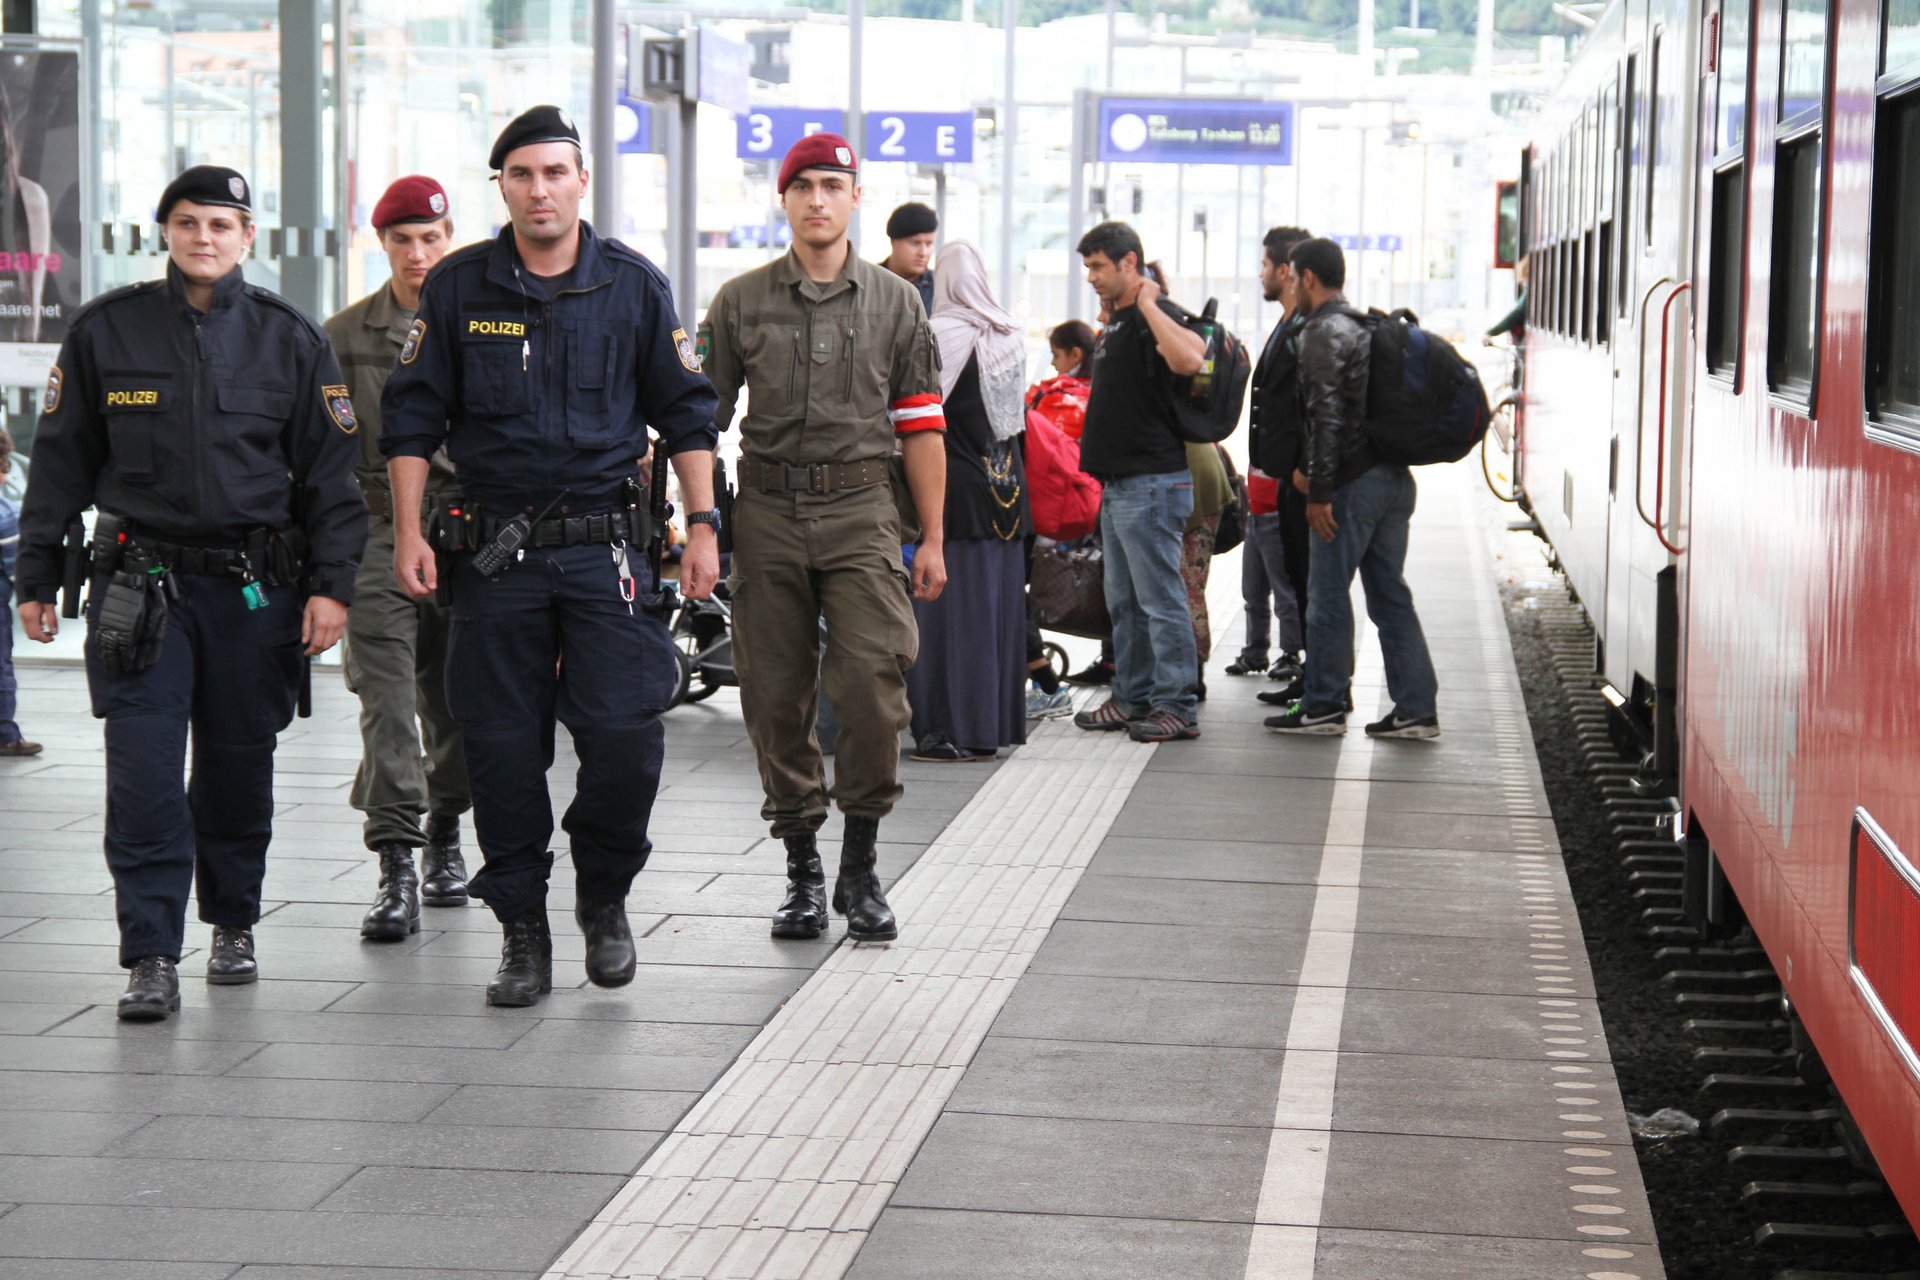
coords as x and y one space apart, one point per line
1048 706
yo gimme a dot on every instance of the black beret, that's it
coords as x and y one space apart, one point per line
531 128
911 219
206 184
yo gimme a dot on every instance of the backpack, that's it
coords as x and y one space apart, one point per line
1207 406
1425 403
1233 516
1065 501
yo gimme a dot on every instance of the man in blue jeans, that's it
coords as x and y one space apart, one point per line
1132 445
1359 510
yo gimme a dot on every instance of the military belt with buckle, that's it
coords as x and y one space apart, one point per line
819 477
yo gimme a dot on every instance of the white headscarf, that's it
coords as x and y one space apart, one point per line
969 324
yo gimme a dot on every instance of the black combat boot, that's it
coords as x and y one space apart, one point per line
395 913
856 891
153 991
526 961
443 873
232 964
803 912
610 957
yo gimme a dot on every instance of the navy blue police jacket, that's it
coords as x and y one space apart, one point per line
542 387
197 427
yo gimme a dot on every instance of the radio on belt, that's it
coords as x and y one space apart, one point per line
492 558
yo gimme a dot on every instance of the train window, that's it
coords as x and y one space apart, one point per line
1723 301
1803 64
1900 54
1586 287
1653 127
1792 326
1603 301
1893 270
1629 140
1730 131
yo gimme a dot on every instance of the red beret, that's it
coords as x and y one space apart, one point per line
817 151
412 199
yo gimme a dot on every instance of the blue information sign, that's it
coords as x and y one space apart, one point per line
924 137
633 125
1195 131
768 133
1370 244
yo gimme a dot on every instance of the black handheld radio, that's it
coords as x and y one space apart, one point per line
492 558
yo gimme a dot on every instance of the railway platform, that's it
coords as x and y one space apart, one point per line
1242 1006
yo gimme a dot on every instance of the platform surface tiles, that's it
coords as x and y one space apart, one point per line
1246 1006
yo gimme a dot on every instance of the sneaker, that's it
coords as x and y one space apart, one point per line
1048 706
1397 726
1108 715
1094 673
1286 669
1297 719
1284 697
1246 666
1162 726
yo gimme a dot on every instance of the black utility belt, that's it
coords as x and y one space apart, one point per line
460 529
263 556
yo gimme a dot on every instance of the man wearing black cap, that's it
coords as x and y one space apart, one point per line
840 366
540 359
911 227
207 421
396 645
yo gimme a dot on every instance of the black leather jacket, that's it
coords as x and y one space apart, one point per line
1334 349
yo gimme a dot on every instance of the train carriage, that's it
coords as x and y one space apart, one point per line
1722 444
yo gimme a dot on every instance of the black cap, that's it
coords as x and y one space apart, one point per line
530 128
911 219
206 184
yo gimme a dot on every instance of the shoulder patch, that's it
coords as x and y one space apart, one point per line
340 408
55 381
684 345
416 334
703 343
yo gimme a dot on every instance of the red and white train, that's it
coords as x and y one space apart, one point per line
1721 439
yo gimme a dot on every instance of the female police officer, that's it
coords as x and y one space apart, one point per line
206 420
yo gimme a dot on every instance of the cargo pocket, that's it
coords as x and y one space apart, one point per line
494 382
776 383
903 628
592 374
135 409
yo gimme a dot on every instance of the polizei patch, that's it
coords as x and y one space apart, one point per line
684 345
340 408
416 333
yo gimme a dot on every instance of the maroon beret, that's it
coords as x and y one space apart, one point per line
818 151
411 199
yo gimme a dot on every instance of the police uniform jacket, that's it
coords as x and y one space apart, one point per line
833 371
366 338
543 387
199 428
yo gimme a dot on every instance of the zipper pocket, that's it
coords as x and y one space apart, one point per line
793 374
846 392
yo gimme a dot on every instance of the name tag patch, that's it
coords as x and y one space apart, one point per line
143 398
496 328
340 408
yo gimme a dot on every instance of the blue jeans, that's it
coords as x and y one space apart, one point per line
1372 513
1142 521
9 687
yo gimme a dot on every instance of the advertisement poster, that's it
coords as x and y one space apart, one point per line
41 246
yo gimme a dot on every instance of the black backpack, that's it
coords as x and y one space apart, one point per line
1207 406
1425 403
1233 516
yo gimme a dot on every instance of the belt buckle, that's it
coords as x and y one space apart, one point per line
817 478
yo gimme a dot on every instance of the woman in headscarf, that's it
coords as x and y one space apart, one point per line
968 687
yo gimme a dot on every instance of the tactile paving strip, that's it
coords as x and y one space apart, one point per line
783 1167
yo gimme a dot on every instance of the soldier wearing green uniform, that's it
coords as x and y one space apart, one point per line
839 366
396 646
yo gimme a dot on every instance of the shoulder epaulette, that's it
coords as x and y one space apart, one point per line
112 296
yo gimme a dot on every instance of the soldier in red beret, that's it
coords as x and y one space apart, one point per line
396 646
841 370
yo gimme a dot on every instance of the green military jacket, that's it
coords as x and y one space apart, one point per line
366 339
831 370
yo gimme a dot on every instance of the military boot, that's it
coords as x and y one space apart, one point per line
153 991
526 961
443 873
803 912
231 963
856 891
610 954
395 913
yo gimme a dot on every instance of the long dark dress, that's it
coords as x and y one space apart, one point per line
969 684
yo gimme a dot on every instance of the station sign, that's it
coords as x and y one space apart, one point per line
1196 131
1370 244
768 133
753 235
720 70
633 126
923 137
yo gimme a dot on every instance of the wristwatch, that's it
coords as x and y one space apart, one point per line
704 517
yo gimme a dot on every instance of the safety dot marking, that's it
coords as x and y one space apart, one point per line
1573 1102
1612 1255
1563 1084
1558 1004
1566 1039
1599 1210
1590 1171
1581 1117
1613 1275
1591 1189
1594 1229
1585 1151
1581 1133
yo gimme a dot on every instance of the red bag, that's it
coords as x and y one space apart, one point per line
1065 500
1064 402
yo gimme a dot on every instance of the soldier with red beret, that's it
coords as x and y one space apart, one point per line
841 370
397 646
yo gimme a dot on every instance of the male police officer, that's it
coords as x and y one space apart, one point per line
838 361
396 645
206 419
541 358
